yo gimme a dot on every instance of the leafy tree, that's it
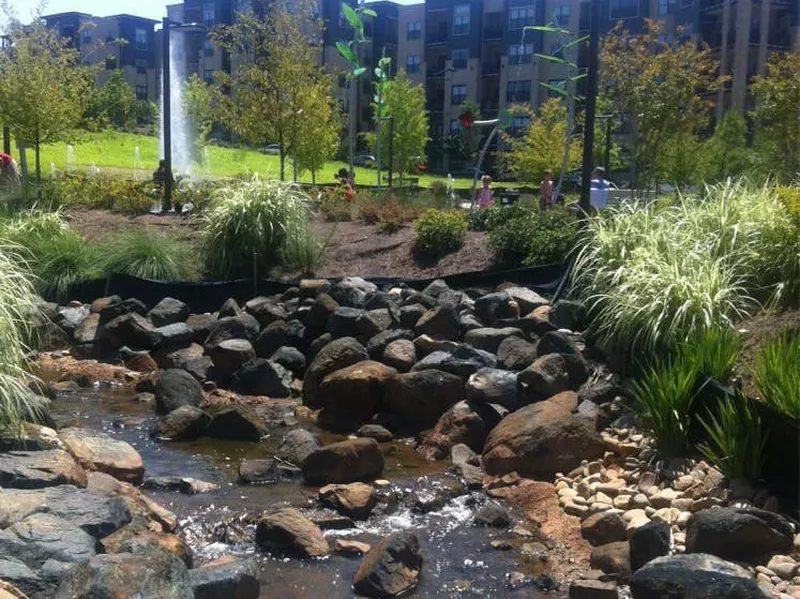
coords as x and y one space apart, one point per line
726 151
42 87
659 85
541 147
198 104
682 160
777 98
318 140
113 103
146 112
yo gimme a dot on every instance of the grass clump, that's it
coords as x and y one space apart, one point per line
776 374
713 352
147 256
439 232
61 261
531 237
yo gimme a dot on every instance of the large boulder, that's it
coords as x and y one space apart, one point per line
693 576
101 452
350 396
70 318
515 353
344 322
291 358
495 306
420 398
493 386
168 311
463 361
266 310
175 335
243 326
466 422
230 355
378 344
556 342
182 424
649 541
604 527
296 446
39 469
440 322
262 377
344 462
267 470
324 305
236 422
614 559
544 378
40 537
178 357
201 324
542 439
288 531
336 355
489 339
740 534
114 308
176 388
281 334
15 572
391 567
354 500
400 354
229 580
131 330
527 299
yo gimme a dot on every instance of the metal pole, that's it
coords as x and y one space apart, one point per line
391 149
6 140
591 102
167 114
608 145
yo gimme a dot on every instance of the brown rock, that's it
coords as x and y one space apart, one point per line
350 547
98 451
420 398
613 558
170 542
142 363
288 531
354 393
344 462
465 423
400 354
39 469
158 518
336 355
391 567
592 589
355 500
603 528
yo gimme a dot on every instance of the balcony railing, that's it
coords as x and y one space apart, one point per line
436 38
492 34
491 69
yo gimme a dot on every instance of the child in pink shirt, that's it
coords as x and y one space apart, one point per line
485 198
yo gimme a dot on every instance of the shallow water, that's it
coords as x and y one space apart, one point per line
458 559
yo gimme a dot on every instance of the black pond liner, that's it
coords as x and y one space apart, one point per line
208 296
781 470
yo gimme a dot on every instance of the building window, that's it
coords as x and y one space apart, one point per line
519 124
86 36
141 38
520 54
461 19
623 9
455 126
560 84
208 75
141 92
458 93
208 48
521 16
460 58
518 91
561 15
666 7
141 66
209 15
412 64
414 30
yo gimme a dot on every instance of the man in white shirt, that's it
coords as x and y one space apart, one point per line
598 196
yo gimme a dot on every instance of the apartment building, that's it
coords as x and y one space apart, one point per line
124 42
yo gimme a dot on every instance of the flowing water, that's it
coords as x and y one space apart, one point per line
458 559
179 123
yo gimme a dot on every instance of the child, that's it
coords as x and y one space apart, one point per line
546 191
485 198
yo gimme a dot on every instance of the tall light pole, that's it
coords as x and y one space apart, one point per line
591 103
167 112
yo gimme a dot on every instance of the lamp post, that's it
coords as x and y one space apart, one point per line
591 103
607 156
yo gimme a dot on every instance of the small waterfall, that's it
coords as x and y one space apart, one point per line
137 162
70 158
179 123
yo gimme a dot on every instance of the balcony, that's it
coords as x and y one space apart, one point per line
492 34
491 69
436 39
489 107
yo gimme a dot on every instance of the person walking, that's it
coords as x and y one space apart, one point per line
598 192
485 198
546 191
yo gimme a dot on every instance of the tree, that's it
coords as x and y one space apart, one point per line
277 62
659 85
318 140
682 160
198 104
42 87
541 147
113 103
777 98
726 151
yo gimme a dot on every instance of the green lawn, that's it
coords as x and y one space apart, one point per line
113 150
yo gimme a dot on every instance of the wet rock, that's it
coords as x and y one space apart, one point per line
603 528
489 339
556 342
266 471
184 485
420 398
526 299
400 354
544 378
353 394
542 439
613 558
741 534
492 515
296 446
291 358
236 422
234 580
182 424
463 361
262 377
440 322
168 311
693 576
391 567
244 326
288 531
593 589
230 355
176 388
98 451
338 354
377 345
350 547
86 331
375 431
131 330
355 500
39 469
649 541
143 510
515 354
131 538
411 314
201 324
493 386
40 537
461 453
115 309
336 522
17 573
465 422
344 462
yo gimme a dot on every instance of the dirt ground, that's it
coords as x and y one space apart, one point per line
757 331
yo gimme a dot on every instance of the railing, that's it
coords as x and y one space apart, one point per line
491 70
493 34
438 38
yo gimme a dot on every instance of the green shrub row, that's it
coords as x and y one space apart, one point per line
439 232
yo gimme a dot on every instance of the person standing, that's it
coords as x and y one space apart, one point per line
598 194
485 198
546 191
9 174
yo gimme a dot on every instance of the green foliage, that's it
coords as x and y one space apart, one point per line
386 210
776 374
304 251
488 219
61 261
146 113
253 221
316 142
99 191
438 232
713 352
738 440
144 255
727 153
334 205
113 103
533 238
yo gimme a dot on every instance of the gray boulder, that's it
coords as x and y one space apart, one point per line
262 377
556 342
234 580
39 469
236 422
493 386
344 462
291 358
391 567
131 330
40 537
176 388
182 424
296 446
420 398
544 378
168 311
281 333
515 353
176 334
464 361
378 344
489 339
230 355
440 322
649 541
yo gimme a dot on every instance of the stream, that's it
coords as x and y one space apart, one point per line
459 561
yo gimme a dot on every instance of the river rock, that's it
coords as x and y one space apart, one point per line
230 308
229 355
86 331
244 326
131 330
400 354
177 334
495 306
649 541
351 395
236 422
262 377
493 386
201 324
281 334
348 547
515 354
465 422
39 469
391 567
344 322
741 534
375 431
377 345
556 342
527 299
42 536
613 558
345 294
21 576
182 424
115 309
420 398
489 339
29 437
168 311
266 310
286 530
542 439
602 528
296 446
266 470
180 357
492 515
693 576
128 539
464 361
344 462
176 388
324 305
143 509
232 580
355 500
291 358
338 354
410 315
440 322
544 378
101 452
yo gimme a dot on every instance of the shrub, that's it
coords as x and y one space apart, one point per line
438 188
533 238
100 191
304 251
61 261
147 256
713 352
253 221
437 233
334 205
387 211
776 374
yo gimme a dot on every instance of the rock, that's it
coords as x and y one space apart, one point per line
101 303
168 311
236 422
344 462
463 361
15 572
115 309
141 362
461 453
178 334
288 531
98 451
375 431
243 326
400 354
185 485
741 534
542 439
40 537
180 357
410 315
693 576
377 345
39 469
600 392
267 470
296 446
426 345
348 295
86 331
613 558
567 314
262 377
465 422
291 358
556 342
281 334
336 355
391 567
324 305
494 306
489 339
266 310
230 308
648 542
600 529
145 511
420 398
350 547
493 386
201 324
544 378
355 500
30 437
440 322
526 299
131 330
593 589
154 573
176 388
353 394
233 580
182 424
492 515
230 355
515 354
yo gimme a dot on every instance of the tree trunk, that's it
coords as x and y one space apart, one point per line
567 144
38 172
352 125
283 156
313 176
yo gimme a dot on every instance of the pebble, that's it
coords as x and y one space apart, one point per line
598 507
683 482
561 485
574 509
683 504
521 531
763 579
785 570
664 498
646 481
765 571
595 467
578 500
567 493
640 500
683 519
634 514
622 502
603 498
666 514
611 488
